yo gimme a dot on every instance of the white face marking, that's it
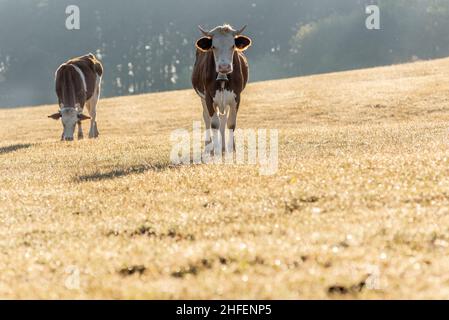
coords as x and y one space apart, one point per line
223 46
223 99
69 118
83 78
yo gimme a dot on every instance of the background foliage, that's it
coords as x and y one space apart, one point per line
148 45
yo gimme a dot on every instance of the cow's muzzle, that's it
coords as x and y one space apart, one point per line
225 68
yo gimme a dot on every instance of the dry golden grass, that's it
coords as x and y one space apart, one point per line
358 209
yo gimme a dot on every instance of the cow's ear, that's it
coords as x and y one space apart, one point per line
204 44
82 117
242 43
55 116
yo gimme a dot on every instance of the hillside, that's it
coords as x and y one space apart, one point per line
358 209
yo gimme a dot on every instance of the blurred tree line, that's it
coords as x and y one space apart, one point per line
148 45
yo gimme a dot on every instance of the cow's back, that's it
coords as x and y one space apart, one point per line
91 69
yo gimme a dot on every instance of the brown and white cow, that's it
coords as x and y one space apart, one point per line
78 83
219 76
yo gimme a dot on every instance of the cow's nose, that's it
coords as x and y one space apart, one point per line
224 68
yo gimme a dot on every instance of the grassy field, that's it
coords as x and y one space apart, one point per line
358 209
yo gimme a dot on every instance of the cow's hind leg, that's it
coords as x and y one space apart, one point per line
93 132
92 106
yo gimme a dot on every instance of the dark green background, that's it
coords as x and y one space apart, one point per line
148 45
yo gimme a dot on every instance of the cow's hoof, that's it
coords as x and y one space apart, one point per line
80 137
229 156
94 135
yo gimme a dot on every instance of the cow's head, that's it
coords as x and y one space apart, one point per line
69 117
223 42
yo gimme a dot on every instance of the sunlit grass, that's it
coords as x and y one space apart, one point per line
358 209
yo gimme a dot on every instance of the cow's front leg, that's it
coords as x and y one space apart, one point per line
223 122
217 140
232 123
80 131
208 145
214 124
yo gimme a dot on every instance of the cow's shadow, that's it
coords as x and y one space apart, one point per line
123 172
14 147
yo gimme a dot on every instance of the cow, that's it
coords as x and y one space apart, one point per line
78 83
220 74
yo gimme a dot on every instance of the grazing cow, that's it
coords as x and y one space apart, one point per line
78 83
219 76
